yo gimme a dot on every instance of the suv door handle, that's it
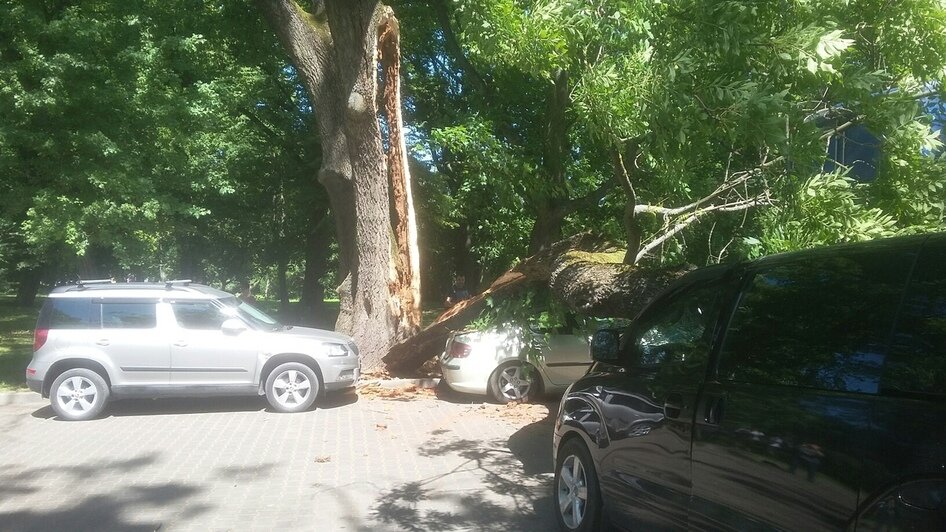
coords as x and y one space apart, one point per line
103 341
180 343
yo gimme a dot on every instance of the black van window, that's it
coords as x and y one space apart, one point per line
67 313
128 315
917 361
677 332
816 323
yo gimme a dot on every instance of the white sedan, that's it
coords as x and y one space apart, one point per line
497 362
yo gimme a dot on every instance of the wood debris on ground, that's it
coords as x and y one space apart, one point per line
520 412
377 390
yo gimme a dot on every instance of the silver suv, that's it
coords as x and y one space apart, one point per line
96 340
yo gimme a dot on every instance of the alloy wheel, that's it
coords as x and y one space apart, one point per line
291 387
572 492
514 384
77 394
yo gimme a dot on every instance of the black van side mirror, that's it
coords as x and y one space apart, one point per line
604 345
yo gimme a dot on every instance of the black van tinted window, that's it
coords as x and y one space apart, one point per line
917 361
678 331
67 313
817 323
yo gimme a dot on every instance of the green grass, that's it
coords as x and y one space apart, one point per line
16 342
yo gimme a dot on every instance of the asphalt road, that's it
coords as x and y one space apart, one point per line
356 463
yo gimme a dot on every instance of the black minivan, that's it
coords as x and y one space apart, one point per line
803 391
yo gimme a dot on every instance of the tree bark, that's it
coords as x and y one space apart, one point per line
334 52
550 211
625 178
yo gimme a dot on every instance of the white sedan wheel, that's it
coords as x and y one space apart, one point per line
513 381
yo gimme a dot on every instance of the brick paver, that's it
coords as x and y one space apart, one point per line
229 464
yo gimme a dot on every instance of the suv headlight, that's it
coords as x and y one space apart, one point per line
336 350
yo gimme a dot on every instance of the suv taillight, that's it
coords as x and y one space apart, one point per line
39 338
459 350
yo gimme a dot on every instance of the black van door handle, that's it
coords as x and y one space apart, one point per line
673 405
713 409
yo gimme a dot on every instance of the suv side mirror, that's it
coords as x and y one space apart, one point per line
604 345
233 326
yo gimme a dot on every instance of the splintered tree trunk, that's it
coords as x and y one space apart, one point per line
334 50
406 284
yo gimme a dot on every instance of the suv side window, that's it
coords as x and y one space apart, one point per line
679 331
198 315
67 313
816 323
917 361
128 315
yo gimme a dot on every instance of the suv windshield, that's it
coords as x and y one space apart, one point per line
251 314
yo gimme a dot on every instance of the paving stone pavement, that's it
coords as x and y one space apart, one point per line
356 463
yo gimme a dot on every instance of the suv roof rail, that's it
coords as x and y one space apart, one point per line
82 283
175 282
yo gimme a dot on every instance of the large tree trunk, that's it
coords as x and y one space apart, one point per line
334 51
549 204
590 281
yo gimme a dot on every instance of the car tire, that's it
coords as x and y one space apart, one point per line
292 387
78 394
514 381
577 494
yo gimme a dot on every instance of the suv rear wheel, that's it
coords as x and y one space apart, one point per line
78 394
292 387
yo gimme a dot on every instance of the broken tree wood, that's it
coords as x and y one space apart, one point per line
581 271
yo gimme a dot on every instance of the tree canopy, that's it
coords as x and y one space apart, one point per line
187 139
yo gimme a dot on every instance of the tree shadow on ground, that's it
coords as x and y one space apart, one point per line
511 490
80 510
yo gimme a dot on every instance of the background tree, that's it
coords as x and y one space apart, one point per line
140 143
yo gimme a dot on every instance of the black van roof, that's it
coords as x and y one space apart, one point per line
878 245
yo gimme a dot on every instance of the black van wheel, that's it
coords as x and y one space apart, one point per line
78 394
577 495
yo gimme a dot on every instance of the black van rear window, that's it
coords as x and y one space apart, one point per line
820 323
67 313
917 362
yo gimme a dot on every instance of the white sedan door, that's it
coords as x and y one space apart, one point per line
566 358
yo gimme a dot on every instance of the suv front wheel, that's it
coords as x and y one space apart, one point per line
292 387
78 394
